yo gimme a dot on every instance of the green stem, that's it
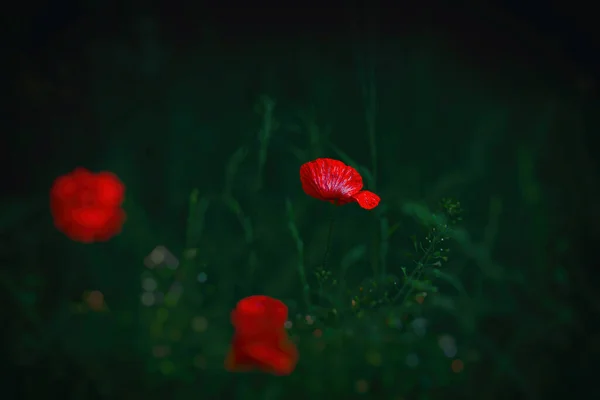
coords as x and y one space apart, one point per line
300 250
329 238
304 282
327 251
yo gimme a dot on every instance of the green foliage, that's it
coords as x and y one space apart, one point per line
327 311
429 254
405 301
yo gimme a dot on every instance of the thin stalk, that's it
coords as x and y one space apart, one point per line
327 251
329 239
300 249
303 280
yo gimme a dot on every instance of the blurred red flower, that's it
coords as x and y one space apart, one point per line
86 206
333 181
260 340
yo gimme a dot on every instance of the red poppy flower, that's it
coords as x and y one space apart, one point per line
257 314
86 206
260 340
333 181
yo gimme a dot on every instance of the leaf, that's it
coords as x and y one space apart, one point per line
413 238
194 196
393 229
233 164
423 214
233 206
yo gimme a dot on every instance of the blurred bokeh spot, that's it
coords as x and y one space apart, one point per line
159 257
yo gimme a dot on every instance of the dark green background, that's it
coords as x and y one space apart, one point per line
469 103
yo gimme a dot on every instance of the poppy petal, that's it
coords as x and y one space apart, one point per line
278 360
256 314
110 190
260 340
252 305
89 225
63 188
367 200
63 221
250 327
272 352
92 218
86 206
113 226
330 180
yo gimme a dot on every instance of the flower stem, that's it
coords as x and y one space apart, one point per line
329 238
305 286
326 256
300 249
